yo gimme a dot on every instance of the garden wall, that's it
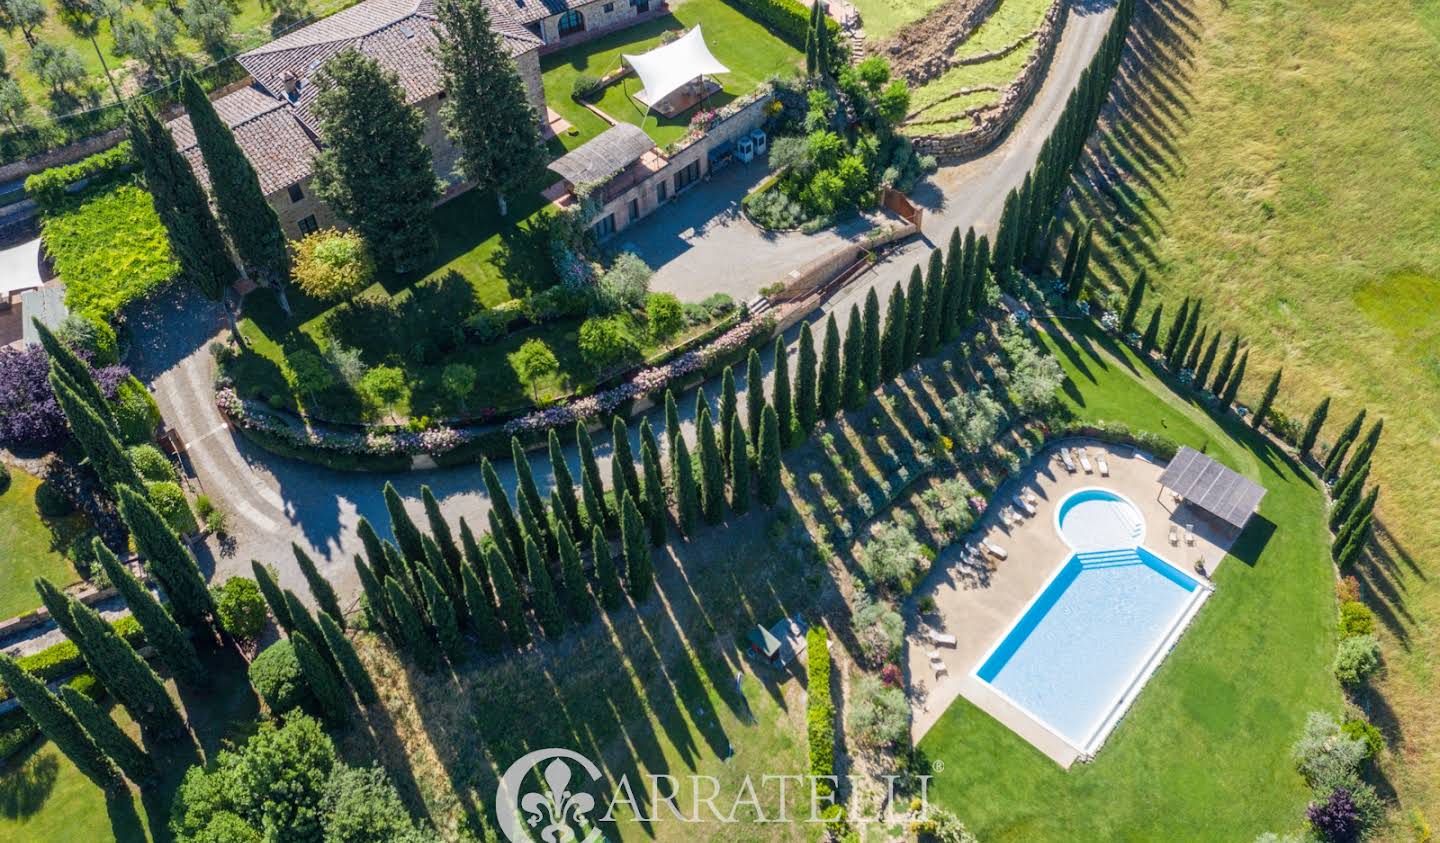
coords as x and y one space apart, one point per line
921 51
992 122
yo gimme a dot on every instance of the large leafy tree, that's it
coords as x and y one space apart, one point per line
375 170
487 113
83 18
246 217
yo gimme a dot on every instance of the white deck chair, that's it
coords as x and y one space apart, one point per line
1190 534
1174 535
1065 458
1085 462
994 549
1024 506
939 638
939 668
1104 466
1031 497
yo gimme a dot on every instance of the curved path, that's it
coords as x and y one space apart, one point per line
273 501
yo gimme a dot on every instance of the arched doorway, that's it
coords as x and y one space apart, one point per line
571 22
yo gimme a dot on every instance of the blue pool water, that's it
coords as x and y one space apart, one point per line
1093 519
1082 642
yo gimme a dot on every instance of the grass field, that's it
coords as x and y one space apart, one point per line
1010 20
1278 159
751 52
28 546
881 18
1207 744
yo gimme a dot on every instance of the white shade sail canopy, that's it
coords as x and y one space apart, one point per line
666 69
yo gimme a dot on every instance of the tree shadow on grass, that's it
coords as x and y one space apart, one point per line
25 789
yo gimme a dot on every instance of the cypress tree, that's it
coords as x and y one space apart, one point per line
1336 457
1233 387
1075 281
980 282
305 623
639 575
1072 254
319 586
530 525
1313 426
564 484
1004 257
407 535
75 374
740 471
440 532
687 492
170 562
405 573
728 409
57 723
1359 515
414 639
1266 399
914 319
108 736
577 590
950 305
1188 338
620 434
124 673
101 447
481 611
475 558
754 396
1132 304
934 305
656 506
377 609
1152 331
542 594
892 336
1192 357
1227 365
1361 457
852 387
274 598
964 306
768 487
351 668
1355 544
592 485
449 586
171 642
500 506
830 395
869 349
528 491
245 216
712 478
812 60
1346 497
374 549
1207 360
442 615
508 599
1177 330
807 385
322 679
605 574
673 434
780 392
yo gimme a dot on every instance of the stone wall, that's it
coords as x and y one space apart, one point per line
59 157
613 23
921 51
621 13
992 122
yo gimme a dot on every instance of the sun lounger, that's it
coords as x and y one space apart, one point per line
1190 534
1024 506
940 638
1085 463
994 549
1031 497
1065 458
1104 466
939 667
1174 535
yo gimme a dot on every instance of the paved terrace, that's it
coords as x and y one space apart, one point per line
977 601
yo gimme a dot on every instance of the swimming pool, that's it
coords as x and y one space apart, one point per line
1077 655
1095 518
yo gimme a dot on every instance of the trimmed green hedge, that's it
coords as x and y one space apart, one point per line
136 412
48 187
64 658
820 710
787 19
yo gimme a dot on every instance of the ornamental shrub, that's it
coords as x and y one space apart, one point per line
1324 754
29 414
51 501
241 608
91 338
151 464
277 678
663 315
1357 728
606 341
879 630
170 502
879 715
1356 619
330 265
585 86
820 709
4 478
1357 659
135 410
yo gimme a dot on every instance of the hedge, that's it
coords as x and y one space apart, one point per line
1119 433
17 729
48 188
787 19
63 659
820 710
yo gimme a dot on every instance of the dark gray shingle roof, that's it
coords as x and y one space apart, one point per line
1211 486
603 156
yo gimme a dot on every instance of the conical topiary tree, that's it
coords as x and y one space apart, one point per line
564 484
740 471
305 623
414 638
171 643
1207 361
1347 497
951 302
624 456
1177 330
374 549
852 388
407 535
892 336
72 370
442 616
376 607
508 600
1361 457
639 575
768 487
529 492
1192 357
605 574
440 532
673 434
322 679
712 475
483 621
807 385
1313 425
500 506
274 597
754 396
830 392
542 594
125 674
108 736
657 508
869 346
170 562
577 590
914 318
729 407
101 447
57 723
351 668
320 587
687 491
934 304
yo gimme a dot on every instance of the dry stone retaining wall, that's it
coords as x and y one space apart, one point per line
921 51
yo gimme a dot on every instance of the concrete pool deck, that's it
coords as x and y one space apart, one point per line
977 600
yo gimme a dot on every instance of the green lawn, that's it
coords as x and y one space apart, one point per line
1204 752
751 52
29 546
881 18
1278 159
44 799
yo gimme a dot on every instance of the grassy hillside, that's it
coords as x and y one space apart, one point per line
1279 158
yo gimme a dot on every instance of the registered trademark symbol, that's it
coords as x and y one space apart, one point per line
938 766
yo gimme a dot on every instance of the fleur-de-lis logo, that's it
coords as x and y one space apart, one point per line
557 813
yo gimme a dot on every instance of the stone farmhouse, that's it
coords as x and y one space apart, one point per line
272 117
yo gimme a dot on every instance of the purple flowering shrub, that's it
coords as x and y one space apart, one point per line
1336 819
29 414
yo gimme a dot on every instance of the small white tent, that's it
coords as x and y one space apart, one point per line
666 69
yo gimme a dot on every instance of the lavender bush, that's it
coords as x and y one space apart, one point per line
29 414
